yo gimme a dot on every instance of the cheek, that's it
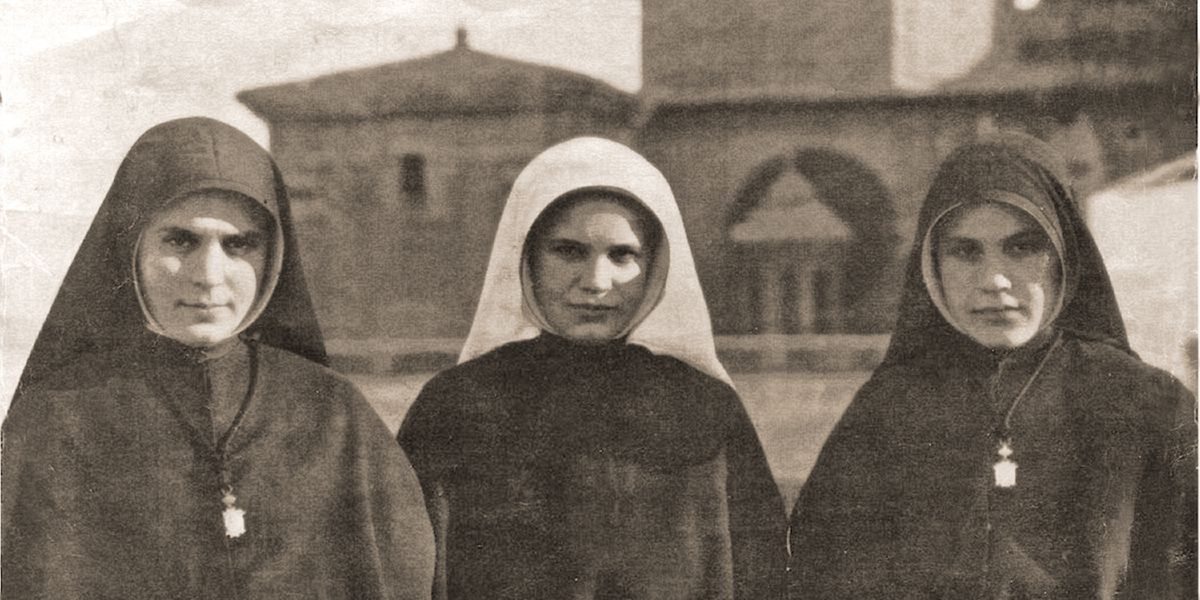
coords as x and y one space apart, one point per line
630 280
630 275
245 275
158 271
957 282
1039 278
550 274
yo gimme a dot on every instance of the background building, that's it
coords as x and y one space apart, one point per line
398 174
799 138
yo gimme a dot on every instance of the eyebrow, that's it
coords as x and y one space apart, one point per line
174 229
957 239
567 240
1024 232
249 236
1027 232
256 235
564 240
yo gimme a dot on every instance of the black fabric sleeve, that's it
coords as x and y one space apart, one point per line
757 518
428 429
422 428
1162 552
42 546
837 538
391 529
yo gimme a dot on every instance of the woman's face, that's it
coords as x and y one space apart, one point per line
589 270
999 274
200 263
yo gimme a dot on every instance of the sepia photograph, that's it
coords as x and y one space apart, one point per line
598 299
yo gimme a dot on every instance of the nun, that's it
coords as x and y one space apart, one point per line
176 433
1011 445
589 444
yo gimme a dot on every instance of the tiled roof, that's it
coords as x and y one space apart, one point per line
458 81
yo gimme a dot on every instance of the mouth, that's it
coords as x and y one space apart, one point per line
202 306
592 313
593 308
999 314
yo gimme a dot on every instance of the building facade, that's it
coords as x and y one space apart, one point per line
398 174
798 163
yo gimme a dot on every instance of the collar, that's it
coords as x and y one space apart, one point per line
960 352
555 345
171 352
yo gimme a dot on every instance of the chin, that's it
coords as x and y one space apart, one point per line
202 336
1003 339
1020 336
589 334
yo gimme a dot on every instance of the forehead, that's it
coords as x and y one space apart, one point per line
598 216
988 221
210 207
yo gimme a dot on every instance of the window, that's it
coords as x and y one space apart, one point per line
412 181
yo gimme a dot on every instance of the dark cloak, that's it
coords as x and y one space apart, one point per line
628 470
902 502
554 470
119 441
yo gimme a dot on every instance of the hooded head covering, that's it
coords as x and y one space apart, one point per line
98 306
1022 172
673 318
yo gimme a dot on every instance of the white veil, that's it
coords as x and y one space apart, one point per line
673 322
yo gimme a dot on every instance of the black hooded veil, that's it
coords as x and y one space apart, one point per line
1025 166
120 443
97 309
902 502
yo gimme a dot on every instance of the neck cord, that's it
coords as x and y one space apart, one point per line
1006 425
234 517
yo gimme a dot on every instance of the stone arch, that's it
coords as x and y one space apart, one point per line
857 198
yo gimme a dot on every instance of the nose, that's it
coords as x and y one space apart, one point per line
996 277
208 267
597 276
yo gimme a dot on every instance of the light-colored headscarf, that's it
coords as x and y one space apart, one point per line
673 319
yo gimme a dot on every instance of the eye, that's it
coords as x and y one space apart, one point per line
566 250
1025 245
240 245
623 255
965 250
180 240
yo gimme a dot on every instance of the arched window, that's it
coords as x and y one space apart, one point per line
815 237
801 247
